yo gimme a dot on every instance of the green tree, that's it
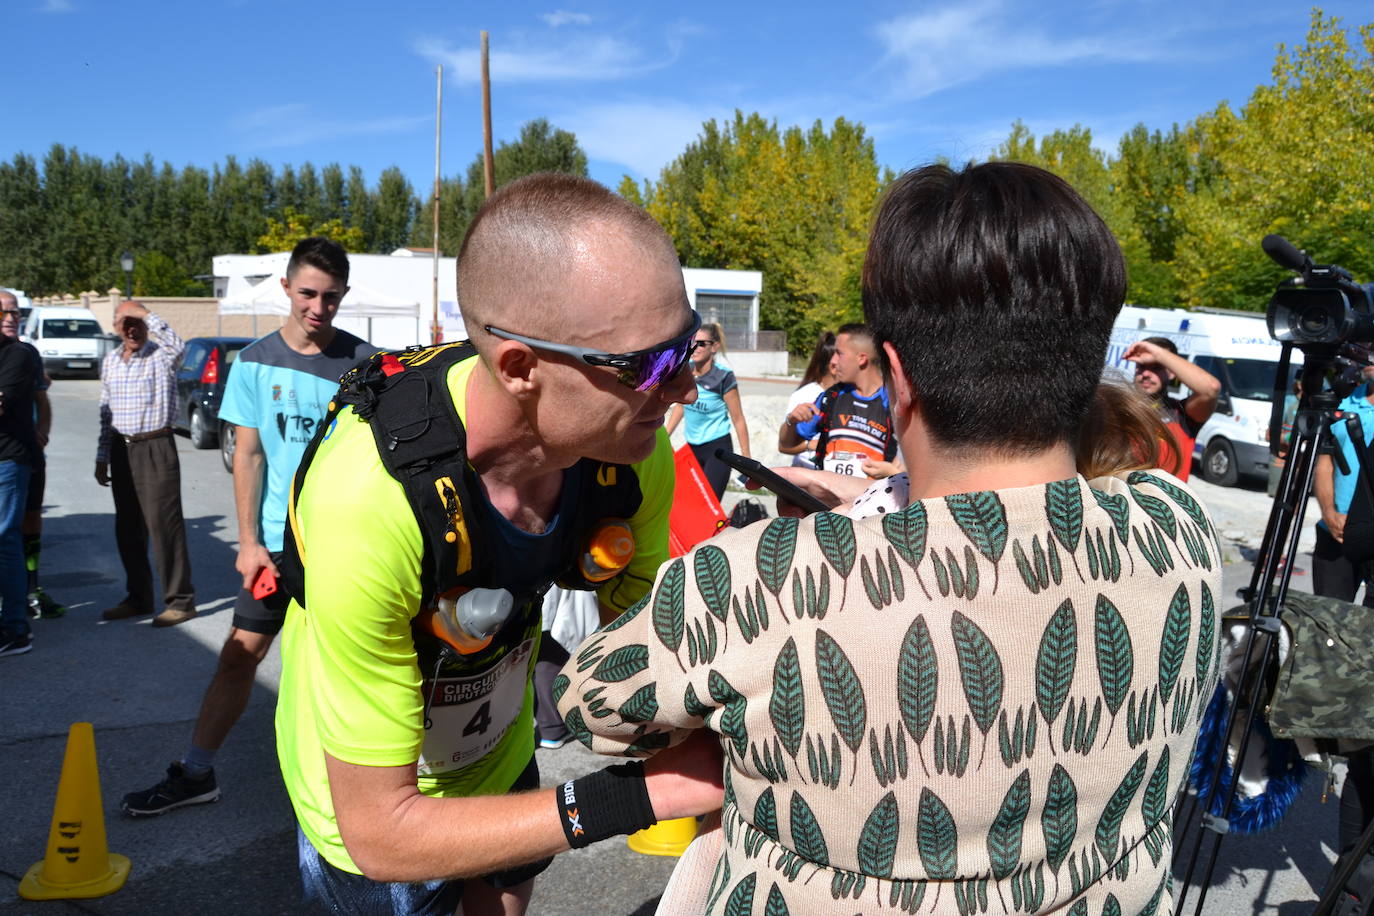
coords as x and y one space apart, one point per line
394 210
360 207
23 225
333 193
283 234
794 204
541 147
1298 160
156 274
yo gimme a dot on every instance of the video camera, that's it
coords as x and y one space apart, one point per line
1323 308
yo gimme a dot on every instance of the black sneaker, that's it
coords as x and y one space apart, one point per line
176 790
15 644
41 604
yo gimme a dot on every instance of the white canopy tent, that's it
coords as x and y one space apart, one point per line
269 298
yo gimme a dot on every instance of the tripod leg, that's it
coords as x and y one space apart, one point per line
1345 868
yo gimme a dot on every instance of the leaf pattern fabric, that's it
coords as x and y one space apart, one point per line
856 671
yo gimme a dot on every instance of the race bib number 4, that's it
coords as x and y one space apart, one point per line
470 715
846 463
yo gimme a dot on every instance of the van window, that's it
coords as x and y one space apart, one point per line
70 327
1245 378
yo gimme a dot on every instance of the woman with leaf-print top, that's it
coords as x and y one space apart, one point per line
984 701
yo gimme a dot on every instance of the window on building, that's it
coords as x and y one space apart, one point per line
732 311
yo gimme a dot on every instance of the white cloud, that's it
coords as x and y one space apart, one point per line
294 124
56 6
957 44
641 135
564 17
581 58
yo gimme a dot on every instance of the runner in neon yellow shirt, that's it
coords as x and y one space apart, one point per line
575 385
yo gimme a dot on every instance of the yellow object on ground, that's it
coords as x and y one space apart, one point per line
666 838
78 863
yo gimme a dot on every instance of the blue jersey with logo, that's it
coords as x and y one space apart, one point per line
284 395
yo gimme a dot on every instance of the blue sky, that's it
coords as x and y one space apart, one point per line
353 82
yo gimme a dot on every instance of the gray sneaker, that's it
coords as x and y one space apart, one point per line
15 643
177 790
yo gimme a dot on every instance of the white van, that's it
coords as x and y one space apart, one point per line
70 339
1237 349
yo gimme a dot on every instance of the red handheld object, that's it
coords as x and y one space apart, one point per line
266 584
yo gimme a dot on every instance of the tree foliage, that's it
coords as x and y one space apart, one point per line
1190 205
794 204
1298 160
284 234
541 147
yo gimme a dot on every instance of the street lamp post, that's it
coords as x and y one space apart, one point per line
126 261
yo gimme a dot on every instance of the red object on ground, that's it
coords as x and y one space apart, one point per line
696 514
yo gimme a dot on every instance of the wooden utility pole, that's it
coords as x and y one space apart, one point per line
487 167
437 329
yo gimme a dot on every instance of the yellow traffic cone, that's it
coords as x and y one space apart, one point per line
78 862
666 838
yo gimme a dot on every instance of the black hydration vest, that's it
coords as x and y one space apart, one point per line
404 397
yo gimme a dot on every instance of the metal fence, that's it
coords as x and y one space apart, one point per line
772 341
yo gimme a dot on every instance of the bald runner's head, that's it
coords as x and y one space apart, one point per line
535 238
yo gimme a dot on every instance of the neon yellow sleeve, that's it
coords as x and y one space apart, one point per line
363 553
657 478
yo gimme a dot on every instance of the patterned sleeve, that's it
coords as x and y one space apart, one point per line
661 671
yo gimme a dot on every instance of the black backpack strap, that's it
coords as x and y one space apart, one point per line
889 447
606 491
827 404
405 400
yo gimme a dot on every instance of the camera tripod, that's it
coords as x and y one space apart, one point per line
1312 434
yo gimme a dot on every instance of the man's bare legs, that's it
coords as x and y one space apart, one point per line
229 690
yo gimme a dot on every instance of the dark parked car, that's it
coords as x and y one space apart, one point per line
201 378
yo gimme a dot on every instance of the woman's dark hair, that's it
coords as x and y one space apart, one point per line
997 285
820 358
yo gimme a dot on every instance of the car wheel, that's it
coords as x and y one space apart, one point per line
201 436
226 445
1219 464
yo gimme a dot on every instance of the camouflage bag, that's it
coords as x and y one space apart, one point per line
1324 685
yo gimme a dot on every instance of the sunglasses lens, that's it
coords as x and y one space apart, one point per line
660 366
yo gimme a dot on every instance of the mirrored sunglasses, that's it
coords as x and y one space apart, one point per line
642 370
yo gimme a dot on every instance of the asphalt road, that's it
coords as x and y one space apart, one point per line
142 687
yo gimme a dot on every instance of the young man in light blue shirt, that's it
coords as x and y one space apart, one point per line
279 389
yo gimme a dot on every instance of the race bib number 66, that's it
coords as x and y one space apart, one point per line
846 463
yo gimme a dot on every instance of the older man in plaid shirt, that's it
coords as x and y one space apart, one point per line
137 458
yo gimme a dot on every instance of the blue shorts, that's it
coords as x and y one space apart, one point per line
332 890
